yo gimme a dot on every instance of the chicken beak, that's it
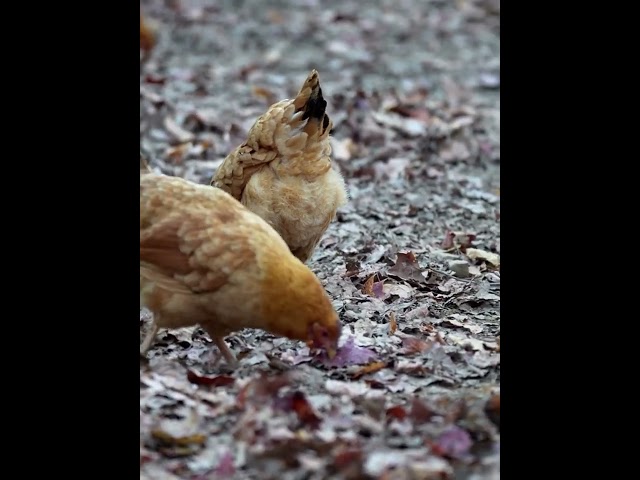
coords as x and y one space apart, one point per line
331 353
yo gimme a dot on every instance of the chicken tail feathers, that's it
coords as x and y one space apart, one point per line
310 101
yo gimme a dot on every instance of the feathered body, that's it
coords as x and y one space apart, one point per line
283 171
205 259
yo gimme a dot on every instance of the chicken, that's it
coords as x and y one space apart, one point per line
207 260
283 171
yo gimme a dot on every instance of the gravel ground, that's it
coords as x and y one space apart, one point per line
412 262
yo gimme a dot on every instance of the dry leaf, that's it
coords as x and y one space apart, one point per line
402 291
179 152
179 437
378 290
454 150
346 457
343 150
179 134
457 322
226 467
264 93
457 240
407 268
218 381
371 368
393 324
391 170
414 345
306 415
466 342
348 354
476 254
420 412
398 412
367 289
492 409
411 127
352 268
452 443
421 114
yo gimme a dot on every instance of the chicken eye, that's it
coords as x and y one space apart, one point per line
325 334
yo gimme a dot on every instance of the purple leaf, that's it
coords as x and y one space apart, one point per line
454 442
349 354
378 290
226 467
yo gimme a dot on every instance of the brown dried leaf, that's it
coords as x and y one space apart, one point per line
419 412
492 409
218 381
155 79
421 114
346 457
264 386
447 243
352 268
457 240
370 368
398 412
393 324
147 34
407 268
178 153
303 409
413 345
457 411
367 288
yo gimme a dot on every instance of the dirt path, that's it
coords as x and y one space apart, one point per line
412 264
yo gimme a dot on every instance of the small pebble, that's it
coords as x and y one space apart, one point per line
460 268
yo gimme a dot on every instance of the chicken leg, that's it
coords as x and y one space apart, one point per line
218 339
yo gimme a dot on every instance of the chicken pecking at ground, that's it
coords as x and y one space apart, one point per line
205 259
283 171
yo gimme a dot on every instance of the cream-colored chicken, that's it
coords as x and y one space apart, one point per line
283 171
205 259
